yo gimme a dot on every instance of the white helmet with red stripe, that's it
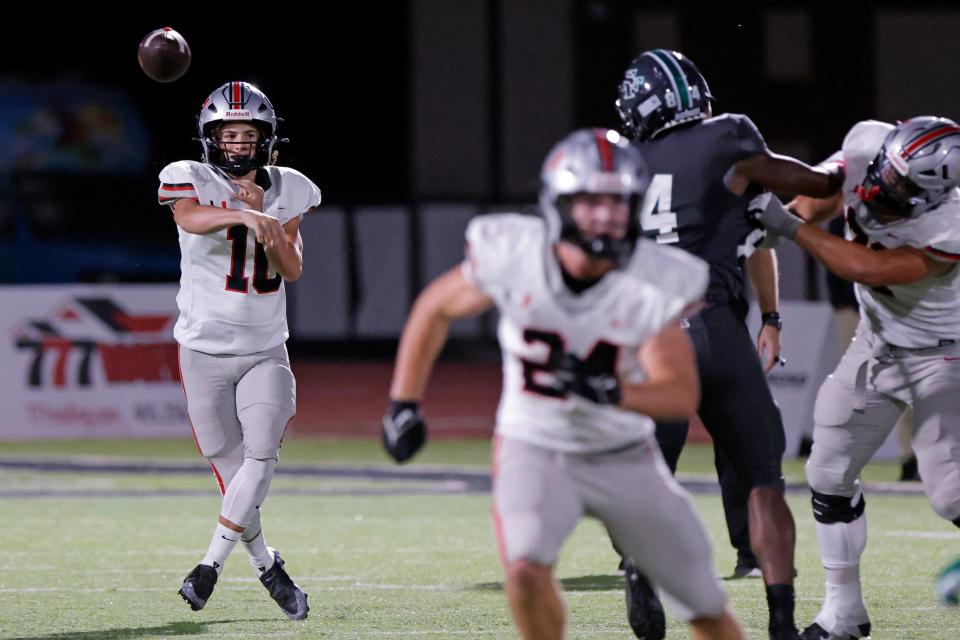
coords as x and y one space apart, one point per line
237 102
917 166
592 161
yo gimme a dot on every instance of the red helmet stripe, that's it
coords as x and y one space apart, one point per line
930 137
604 149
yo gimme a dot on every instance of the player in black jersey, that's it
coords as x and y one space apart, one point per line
705 171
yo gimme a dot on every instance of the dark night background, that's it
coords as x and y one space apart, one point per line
417 101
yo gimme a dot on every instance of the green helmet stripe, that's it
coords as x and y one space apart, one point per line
667 60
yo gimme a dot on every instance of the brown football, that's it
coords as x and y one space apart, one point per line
164 55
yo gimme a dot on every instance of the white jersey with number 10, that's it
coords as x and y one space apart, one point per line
230 300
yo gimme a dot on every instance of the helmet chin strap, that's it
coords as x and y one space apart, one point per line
237 165
605 247
601 247
238 169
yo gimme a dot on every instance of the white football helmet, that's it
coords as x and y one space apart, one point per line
597 161
917 166
237 102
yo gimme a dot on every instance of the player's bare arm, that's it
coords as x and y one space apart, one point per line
201 219
817 210
449 297
286 255
875 268
762 270
671 389
848 260
783 174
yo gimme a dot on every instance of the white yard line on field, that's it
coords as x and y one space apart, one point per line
931 535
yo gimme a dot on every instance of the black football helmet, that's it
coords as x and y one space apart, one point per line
661 89
238 102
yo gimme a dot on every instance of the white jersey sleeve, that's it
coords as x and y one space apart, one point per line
496 248
298 191
176 182
860 147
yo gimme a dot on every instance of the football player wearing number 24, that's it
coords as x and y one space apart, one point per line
592 350
238 218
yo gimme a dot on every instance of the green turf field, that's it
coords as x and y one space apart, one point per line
89 555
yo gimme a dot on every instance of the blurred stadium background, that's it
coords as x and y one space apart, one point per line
412 116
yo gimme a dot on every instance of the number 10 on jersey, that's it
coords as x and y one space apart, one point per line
656 218
236 280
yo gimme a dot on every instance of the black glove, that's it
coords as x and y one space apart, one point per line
404 430
598 387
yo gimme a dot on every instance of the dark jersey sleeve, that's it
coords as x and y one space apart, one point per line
747 140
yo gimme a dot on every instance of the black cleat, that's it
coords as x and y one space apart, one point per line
816 632
644 609
198 586
284 591
909 470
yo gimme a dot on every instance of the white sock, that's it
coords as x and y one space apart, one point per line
222 543
259 554
841 545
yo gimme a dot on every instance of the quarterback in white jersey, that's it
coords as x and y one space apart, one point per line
238 217
902 208
592 351
232 300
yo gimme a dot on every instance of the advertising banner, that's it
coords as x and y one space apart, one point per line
89 361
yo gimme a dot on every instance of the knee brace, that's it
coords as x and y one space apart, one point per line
829 509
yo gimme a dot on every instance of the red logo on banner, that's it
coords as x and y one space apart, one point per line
135 354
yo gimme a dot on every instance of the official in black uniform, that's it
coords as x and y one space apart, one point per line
705 170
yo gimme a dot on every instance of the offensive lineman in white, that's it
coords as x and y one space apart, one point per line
592 348
902 209
238 218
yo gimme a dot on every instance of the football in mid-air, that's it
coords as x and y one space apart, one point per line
164 55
